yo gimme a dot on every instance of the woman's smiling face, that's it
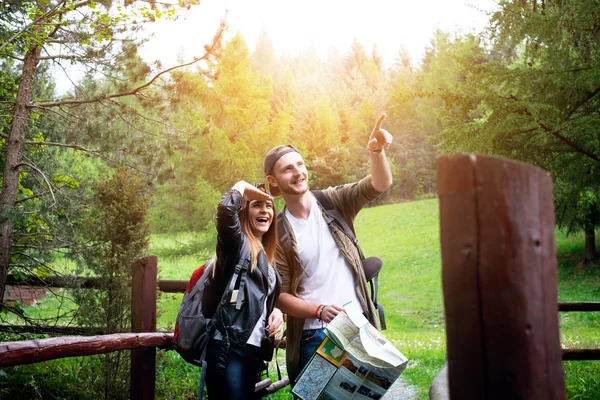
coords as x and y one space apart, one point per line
260 214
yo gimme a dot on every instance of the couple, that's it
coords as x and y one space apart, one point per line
323 271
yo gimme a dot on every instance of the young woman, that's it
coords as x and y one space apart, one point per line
247 323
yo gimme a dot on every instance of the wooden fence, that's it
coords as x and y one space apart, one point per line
142 342
499 282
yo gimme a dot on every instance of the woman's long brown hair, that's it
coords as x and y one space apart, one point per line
269 239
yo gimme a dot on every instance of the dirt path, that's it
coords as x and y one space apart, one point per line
400 390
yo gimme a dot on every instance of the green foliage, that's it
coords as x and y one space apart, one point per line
68 378
224 129
177 378
99 37
8 86
531 95
46 214
117 233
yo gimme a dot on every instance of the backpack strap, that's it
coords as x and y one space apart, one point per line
238 303
374 282
202 375
201 284
284 235
276 349
240 269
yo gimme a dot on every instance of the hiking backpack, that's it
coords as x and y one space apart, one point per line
371 265
193 329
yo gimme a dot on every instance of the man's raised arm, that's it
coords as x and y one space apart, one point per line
380 139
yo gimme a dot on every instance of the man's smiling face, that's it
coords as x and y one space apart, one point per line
291 174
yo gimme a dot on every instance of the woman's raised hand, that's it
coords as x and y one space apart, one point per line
251 192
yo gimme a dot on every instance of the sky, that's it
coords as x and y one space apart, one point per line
294 26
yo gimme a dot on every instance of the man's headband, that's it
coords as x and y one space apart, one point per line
275 154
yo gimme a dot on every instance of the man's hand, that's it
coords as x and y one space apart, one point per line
330 312
380 138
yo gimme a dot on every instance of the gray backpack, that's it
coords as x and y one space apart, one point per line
193 330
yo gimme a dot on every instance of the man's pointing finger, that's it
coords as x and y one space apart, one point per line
378 123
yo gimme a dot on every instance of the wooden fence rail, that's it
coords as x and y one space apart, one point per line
581 307
34 351
142 342
39 350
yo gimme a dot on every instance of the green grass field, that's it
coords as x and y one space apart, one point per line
406 237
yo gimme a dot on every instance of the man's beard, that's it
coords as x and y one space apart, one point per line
291 189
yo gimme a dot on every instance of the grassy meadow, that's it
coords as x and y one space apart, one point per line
406 237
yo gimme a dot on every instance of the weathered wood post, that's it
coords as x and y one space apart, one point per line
499 279
143 319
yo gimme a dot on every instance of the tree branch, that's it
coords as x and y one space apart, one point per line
55 144
586 98
125 121
37 196
74 101
155 121
52 12
565 71
39 171
29 25
95 153
556 132
59 56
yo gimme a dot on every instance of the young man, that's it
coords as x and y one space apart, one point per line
323 271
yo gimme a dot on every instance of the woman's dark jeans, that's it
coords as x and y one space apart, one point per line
240 374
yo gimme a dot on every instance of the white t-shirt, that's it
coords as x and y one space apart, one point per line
327 278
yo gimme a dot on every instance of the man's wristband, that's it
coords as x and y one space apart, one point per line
375 151
321 312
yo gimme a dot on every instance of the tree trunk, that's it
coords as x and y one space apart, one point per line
13 159
590 254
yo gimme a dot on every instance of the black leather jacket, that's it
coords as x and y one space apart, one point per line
236 326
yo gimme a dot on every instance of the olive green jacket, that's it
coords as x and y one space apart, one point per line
349 199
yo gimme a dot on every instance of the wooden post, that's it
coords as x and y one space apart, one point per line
499 279
143 319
